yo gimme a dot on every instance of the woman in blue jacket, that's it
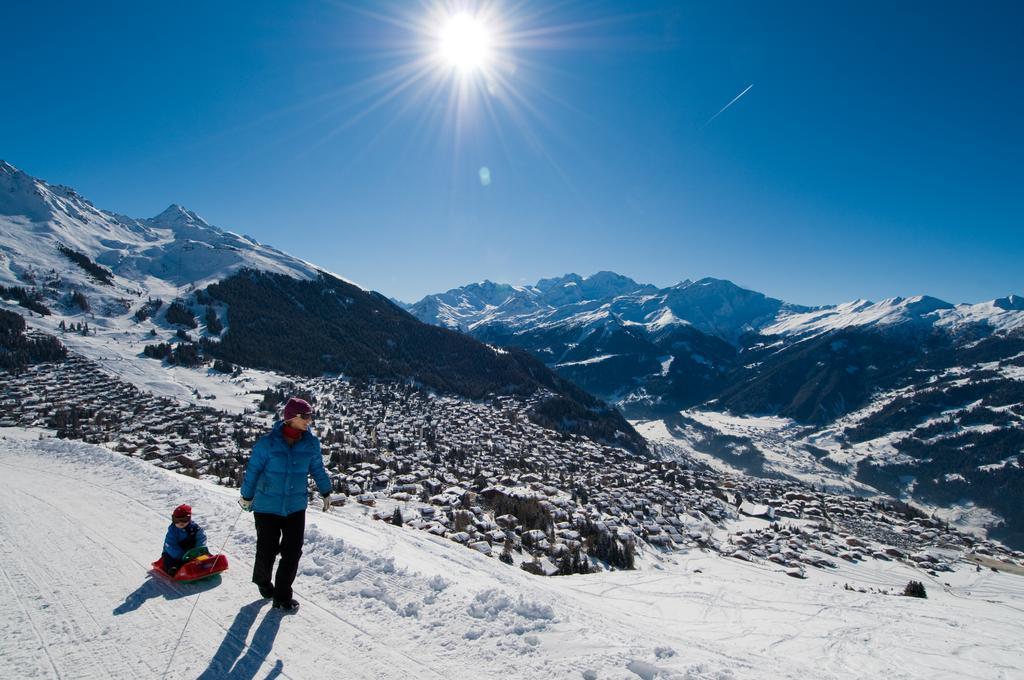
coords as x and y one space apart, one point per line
275 489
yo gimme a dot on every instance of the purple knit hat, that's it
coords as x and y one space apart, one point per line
296 407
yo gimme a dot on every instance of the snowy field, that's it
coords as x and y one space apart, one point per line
79 526
117 344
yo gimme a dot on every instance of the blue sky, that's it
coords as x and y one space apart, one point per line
877 153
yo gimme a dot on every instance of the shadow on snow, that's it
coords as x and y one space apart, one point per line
157 586
229 663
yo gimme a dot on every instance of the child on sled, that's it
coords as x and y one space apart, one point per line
182 535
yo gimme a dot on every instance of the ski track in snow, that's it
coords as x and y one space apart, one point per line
79 526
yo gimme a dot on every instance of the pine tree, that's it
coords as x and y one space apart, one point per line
915 589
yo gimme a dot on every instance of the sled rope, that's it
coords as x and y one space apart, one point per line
196 601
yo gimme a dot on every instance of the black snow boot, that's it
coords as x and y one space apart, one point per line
287 606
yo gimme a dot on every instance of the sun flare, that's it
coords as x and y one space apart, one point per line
468 70
465 43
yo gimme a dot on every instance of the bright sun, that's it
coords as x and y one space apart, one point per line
465 43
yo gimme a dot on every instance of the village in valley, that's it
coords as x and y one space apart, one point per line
482 474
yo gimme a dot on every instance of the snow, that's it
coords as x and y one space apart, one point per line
1013 372
165 255
657 432
966 516
663 318
117 346
741 424
178 250
80 524
585 362
1013 461
1003 314
778 440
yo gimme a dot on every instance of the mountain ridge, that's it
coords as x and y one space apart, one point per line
59 251
159 247
715 306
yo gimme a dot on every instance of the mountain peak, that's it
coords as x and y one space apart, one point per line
715 283
926 303
1009 303
178 214
9 173
547 284
23 194
606 276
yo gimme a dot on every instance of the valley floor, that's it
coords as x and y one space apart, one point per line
79 526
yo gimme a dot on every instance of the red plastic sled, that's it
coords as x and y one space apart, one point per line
199 564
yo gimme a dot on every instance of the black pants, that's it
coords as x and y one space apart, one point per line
171 564
276 534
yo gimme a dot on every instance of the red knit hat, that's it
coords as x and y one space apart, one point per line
296 407
182 510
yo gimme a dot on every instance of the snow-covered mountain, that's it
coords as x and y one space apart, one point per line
873 390
174 250
647 348
548 302
199 293
651 350
644 347
713 306
922 312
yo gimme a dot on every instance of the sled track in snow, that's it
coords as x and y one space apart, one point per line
28 617
372 655
62 619
105 545
145 568
364 576
372 607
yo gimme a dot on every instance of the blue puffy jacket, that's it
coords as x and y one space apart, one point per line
276 477
179 540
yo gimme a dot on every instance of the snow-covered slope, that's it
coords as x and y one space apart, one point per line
173 250
920 311
79 526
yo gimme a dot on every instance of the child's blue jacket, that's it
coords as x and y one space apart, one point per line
180 540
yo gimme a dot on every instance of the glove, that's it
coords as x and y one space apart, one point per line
327 502
245 504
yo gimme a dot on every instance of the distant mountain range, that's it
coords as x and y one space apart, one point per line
712 306
203 293
651 349
914 396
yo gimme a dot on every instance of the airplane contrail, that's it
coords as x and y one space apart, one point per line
734 100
